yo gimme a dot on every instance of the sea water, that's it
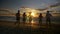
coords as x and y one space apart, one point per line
55 19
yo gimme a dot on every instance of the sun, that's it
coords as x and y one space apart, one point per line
33 14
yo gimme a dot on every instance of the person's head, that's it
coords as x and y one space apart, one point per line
29 12
40 13
24 13
18 11
47 11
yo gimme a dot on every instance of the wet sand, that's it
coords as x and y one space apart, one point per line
8 27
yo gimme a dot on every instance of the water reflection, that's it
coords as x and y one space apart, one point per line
32 24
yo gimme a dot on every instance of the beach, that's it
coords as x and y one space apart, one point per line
29 16
9 27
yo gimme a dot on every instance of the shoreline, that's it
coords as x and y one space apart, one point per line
12 23
9 26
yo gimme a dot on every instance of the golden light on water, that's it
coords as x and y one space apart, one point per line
32 22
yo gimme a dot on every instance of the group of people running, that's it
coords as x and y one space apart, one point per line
48 17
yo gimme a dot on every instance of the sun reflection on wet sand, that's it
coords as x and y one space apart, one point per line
32 25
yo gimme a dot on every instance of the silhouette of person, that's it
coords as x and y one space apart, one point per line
48 18
18 17
24 17
30 17
40 18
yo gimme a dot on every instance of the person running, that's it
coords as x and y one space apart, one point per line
40 18
30 17
24 17
18 17
48 18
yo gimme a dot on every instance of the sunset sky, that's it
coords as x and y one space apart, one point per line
14 5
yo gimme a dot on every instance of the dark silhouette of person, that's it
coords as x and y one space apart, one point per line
40 19
24 17
48 18
18 17
30 17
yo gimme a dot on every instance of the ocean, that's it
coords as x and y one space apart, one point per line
54 19
26 29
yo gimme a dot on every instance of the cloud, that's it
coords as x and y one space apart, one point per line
5 11
55 5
